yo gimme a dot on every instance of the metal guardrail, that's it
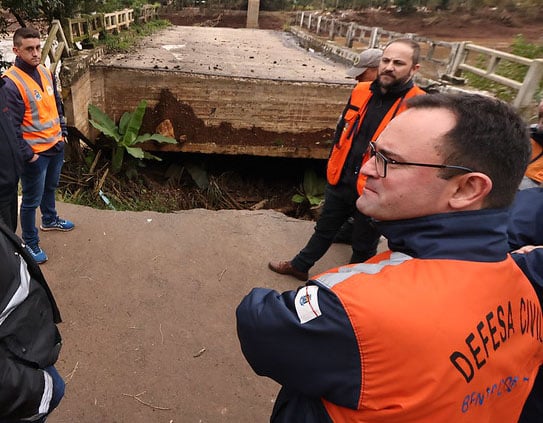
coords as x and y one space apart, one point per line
452 57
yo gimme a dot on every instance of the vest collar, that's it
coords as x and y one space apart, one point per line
479 235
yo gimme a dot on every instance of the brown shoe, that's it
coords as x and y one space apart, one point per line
285 268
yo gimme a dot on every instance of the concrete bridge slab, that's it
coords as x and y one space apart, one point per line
248 91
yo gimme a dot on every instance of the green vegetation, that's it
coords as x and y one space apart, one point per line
124 41
312 189
126 136
520 47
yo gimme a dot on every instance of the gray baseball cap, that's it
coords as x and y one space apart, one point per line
369 58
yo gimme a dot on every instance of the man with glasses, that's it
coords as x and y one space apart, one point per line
443 327
371 106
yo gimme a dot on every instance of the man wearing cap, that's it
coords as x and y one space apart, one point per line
365 69
369 109
366 66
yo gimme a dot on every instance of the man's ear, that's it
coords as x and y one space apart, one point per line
471 191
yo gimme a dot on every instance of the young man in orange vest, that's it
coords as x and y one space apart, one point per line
446 326
36 109
371 106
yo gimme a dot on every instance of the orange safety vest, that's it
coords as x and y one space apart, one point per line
438 347
41 123
535 168
353 118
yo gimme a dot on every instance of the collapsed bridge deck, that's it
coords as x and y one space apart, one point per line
222 91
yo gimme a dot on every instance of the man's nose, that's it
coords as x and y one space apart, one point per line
369 168
389 67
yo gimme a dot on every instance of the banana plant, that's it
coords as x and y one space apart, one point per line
312 189
126 135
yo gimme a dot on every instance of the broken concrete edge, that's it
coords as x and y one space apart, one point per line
317 152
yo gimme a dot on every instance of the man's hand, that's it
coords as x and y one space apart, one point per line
526 249
34 158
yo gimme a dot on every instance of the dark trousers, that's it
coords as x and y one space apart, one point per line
8 210
339 205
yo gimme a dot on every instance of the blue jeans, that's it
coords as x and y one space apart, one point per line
39 181
58 392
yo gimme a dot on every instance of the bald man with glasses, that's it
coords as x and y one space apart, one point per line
443 327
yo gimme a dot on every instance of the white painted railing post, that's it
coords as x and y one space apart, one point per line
530 84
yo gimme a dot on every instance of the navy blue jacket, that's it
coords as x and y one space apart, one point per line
526 219
277 346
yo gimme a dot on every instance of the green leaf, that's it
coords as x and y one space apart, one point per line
313 185
314 201
156 137
100 117
123 123
298 199
103 122
117 159
150 156
135 152
134 124
107 131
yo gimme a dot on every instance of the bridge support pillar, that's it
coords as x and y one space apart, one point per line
252 13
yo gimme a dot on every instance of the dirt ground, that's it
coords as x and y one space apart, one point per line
148 299
491 28
148 303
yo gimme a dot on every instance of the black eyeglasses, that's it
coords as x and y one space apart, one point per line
382 161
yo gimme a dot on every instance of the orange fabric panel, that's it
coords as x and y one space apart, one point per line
443 340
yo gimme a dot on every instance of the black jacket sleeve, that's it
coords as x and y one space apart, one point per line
29 338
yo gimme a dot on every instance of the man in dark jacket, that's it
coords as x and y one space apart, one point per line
10 165
30 386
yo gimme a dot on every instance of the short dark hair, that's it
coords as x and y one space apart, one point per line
24 33
489 136
411 43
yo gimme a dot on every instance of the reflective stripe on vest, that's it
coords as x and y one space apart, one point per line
353 119
439 340
41 123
